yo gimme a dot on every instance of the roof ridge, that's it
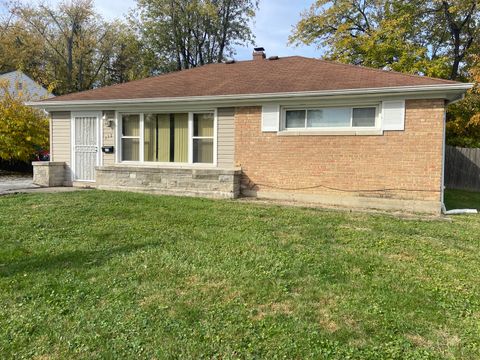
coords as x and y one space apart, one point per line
387 71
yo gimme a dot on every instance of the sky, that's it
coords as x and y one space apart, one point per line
272 26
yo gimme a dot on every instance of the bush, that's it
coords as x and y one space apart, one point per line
23 130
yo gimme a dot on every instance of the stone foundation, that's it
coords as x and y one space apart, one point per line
212 183
48 173
351 201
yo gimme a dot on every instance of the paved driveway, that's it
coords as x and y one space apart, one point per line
15 181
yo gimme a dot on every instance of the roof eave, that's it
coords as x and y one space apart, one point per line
450 92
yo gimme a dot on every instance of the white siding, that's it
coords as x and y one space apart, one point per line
226 138
60 147
108 138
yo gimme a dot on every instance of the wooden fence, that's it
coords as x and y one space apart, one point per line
462 168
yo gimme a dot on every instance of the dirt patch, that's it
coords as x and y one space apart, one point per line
272 309
327 322
419 340
355 228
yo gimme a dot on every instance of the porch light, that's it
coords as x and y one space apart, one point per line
107 122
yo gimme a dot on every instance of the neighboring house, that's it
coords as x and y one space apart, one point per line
20 84
281 128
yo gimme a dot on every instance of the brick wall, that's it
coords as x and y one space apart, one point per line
396 165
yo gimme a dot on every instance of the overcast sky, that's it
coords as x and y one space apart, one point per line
273 24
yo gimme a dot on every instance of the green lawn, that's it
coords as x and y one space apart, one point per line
459 199
126 276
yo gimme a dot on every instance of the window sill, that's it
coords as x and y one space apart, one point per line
375 132
165 165
186 169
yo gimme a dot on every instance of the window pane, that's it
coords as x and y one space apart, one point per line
315 118
203 151
166 137
131 125
203 125
295 119
364 116
157 137
180 138
329 117
130 150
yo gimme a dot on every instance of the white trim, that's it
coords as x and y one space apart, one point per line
72 147
389 113
98 115
270 121
331 133
100 139
190 137
118 124
258 97
215 137
119 137
142 138
357 130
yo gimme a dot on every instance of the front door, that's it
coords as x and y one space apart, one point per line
86 146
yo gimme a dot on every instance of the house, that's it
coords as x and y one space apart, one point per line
19 84
281 128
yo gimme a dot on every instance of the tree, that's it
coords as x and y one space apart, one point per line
23 130
430 37
463 125
127 61
69 46
79 44
439 38
182 34
20 49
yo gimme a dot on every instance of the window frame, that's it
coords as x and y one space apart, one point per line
189 163
350 128
192 138
139 137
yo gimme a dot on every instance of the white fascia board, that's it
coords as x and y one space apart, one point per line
441 90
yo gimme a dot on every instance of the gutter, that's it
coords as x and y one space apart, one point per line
461 97
397 90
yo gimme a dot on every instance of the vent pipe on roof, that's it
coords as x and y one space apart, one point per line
259 53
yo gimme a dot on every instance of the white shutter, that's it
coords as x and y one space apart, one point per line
270 118
393 114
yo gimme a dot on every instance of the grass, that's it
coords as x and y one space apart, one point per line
94 275
460 199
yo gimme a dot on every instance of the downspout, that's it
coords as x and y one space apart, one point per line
442 189
50 135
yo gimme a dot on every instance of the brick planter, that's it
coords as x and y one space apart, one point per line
48 173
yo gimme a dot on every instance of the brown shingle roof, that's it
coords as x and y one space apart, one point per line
289 74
